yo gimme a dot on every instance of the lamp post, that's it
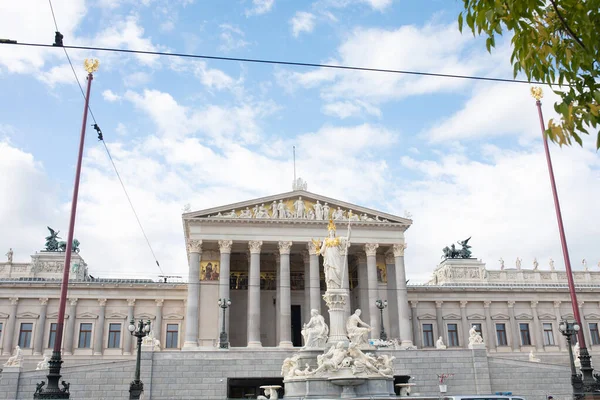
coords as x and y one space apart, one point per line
381 304
136 387
52 391
569 329
223 339
589 383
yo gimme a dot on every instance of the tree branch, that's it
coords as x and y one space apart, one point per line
566 26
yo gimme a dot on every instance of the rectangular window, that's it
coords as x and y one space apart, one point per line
427 335
453 335
25 335
595 335
172 336
548 334
477 327
114 336
525 337
52 335
501 335
85 336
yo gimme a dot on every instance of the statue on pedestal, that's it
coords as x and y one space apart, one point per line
315 331
299 208
358 330
9 255
439 344
474 336
43 364
318 211
333 250
532 357
16 360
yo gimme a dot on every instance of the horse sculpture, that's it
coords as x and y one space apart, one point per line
452 252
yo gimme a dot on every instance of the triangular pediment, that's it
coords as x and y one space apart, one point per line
523 317
500 317
451 316
145 316
547 317
55 316
261 209
3 315
87 315
476 317
117 316
172 316
28 315
592 316
426 316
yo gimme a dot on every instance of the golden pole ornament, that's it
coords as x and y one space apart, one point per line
537 93
91 65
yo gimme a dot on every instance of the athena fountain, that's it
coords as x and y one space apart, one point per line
334 362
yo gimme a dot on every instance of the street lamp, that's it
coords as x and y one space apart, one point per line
569 329
223 339
381 304
136 387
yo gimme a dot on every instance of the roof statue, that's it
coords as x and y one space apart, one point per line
52 244
453 252
299 184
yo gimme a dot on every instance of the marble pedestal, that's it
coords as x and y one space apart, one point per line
336 302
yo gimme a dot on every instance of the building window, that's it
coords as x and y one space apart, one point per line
25 335
85 336
172 336
594 333
501 335
453 335
548 335
525 337
477 327
114 336
427 335
52 335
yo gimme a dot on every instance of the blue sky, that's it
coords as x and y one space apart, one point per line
463 157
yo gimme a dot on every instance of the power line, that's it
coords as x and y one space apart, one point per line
58 43
279 62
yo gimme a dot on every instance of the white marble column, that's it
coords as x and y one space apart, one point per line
127 338
277 294
285 302
402 296
306 305
70 330
562 343
315 279
374 319
193 295
392 296
224 278
9 332
584 326
363 288
440 321
516 340
537 327
416 331
490 329
254 294
38 342
465 323
157 328
99 329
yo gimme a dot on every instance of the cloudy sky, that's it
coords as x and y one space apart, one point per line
464 158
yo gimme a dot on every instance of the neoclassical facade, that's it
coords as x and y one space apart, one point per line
261 254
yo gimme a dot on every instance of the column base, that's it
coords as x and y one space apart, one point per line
188 346
286 344
97 353
254 344
407 345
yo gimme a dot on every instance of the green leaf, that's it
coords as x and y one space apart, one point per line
460 22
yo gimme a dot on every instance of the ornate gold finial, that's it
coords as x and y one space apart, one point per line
331 226
91 65
537 93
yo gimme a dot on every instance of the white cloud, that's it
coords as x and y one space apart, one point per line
379 5
260 7
110 96
231 37
302 22
346 109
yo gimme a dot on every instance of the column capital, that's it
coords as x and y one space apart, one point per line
225 246
312 249
73 301
413 303
102 302
131 302
43 301
463 303
371 249
284 247
254 246
486 304
557 303
159 302
14 301
399 249
389 258
194 246
510 303
534 303
438 304
362 258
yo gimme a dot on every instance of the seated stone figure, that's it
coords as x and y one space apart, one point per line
43 364
358 331
315 331
16 360
332 360
439 344
474 336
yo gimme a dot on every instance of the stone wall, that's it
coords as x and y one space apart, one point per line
203 375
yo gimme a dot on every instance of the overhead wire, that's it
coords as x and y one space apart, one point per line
58 43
